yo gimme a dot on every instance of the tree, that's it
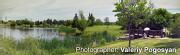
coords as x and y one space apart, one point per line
67 22
98 22
175 28
49 21
132 12
55 22
175 16
37 23
1 21
81 15
82 24
160 18
18 22
25 22
91 19
12 23
107 21
75 21
61 22
31 24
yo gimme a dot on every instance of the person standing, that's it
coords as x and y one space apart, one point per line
146 30
163 32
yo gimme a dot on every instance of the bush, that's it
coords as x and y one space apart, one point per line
67 29
98 22
82 24
175 28
13 24
102 37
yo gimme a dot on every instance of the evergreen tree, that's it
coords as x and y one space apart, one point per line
91 20
75 21
37 23
49 21
55 22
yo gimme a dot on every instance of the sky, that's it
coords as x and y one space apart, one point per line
66 9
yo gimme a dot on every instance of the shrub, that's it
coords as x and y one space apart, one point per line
82 24
67 29
175 28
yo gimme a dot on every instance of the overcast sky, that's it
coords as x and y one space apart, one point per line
65 9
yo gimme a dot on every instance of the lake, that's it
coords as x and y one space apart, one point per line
21 33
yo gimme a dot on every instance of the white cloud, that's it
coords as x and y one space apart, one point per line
169 4
55 8
66 8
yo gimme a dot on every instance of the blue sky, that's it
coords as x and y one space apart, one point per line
65 9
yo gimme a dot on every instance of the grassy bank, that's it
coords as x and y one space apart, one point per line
113 30
33 46
100 37
140 43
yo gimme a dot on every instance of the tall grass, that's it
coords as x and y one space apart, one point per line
34 46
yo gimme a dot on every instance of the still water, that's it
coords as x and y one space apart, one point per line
21 33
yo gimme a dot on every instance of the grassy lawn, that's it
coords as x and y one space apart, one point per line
113 30
141 43
32 46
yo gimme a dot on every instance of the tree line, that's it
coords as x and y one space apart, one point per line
79 21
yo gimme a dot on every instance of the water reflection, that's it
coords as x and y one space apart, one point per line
20 33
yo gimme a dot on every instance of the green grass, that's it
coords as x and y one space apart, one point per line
113 30
66 29
31 46
141 43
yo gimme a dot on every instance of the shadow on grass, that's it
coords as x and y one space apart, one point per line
117 53
172 44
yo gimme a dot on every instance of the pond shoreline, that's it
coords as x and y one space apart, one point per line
19 33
